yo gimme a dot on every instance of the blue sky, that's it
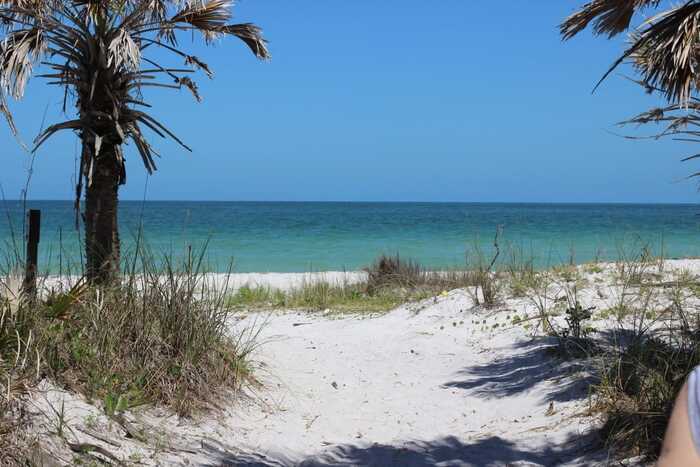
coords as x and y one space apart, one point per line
392 100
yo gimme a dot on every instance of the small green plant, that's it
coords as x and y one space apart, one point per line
90 421
575 316
566 273
593 268
114 404
59 422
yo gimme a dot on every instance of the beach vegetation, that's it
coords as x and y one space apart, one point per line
102 55
593 268
393 271
637 391
326 296
486 283
520 272
576 315
643 359
161 336
656 345
390 281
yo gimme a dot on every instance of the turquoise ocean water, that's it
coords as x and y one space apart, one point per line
292 237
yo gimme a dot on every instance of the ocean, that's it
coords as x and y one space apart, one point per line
315 236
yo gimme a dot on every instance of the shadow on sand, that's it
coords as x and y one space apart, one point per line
493 451
531 363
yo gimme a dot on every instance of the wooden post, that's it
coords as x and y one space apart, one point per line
33 234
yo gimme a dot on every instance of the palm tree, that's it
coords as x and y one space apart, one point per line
101 52
664 50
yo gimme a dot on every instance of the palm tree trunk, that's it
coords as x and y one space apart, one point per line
101 226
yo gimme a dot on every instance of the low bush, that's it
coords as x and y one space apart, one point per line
392 271
160 336
637 393
655 347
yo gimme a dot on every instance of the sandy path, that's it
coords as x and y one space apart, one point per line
436 386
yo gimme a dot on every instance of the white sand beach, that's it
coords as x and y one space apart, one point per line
440 382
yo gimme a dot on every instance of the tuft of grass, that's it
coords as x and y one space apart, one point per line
257 297
159 336
593 268
391 272
322 295
485 280
19 361
520 273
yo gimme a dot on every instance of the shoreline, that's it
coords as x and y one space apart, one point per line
287 281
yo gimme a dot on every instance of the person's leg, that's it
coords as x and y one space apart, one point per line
679 447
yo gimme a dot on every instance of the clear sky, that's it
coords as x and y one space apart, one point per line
388 100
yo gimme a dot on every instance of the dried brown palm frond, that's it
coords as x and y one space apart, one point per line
205 16
665 52
663 49
609 17
681 122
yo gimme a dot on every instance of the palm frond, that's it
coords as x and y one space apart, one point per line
666 52
609 17
17 53
7 114
123 52
251 35
205 16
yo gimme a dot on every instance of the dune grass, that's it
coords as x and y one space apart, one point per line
641 358
391 281
655 347
321 296
160 336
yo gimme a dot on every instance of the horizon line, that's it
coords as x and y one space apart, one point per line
375 202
